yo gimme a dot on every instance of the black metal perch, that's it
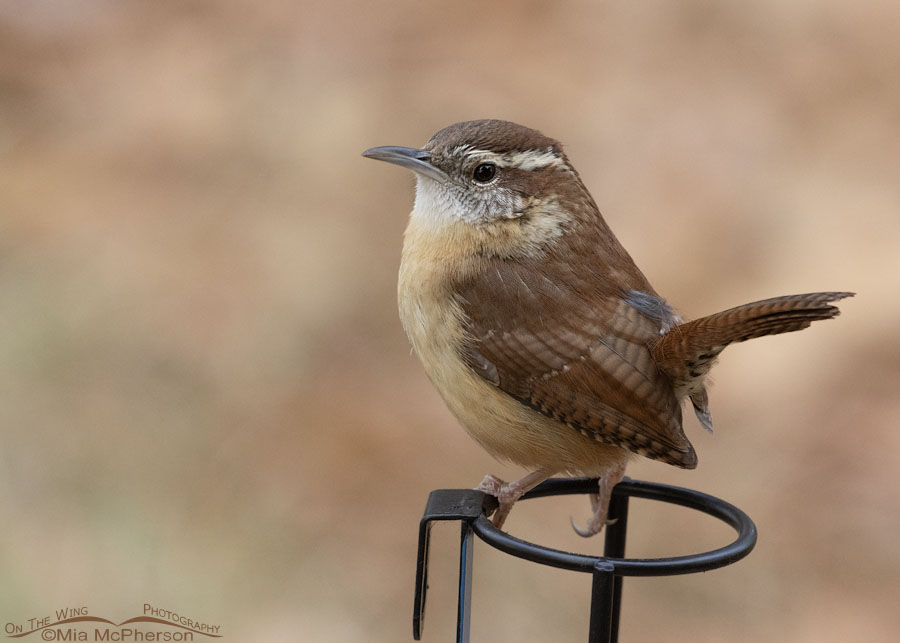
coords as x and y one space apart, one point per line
470 507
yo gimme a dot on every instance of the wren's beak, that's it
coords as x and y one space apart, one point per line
419 161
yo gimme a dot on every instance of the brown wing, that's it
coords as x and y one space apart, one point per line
556 343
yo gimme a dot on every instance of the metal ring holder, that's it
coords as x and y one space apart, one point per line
472 507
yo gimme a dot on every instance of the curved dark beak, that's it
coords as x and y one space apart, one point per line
419 161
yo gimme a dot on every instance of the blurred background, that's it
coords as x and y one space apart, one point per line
208 403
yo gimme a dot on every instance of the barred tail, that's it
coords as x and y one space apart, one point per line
688 350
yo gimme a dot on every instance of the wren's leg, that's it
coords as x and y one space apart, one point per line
507 493
600 502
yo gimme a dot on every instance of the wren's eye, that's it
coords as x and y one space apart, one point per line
484 173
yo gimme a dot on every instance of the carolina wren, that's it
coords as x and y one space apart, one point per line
542 336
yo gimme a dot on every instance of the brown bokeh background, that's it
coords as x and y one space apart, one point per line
208 403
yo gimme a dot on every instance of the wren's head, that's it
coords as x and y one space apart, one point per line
491 173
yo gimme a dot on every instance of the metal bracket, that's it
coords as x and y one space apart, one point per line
472 508
464 505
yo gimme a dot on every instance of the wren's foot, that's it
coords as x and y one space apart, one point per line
597 521
600 504
507 493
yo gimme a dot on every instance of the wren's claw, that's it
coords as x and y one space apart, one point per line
600 504
596 522
507 493
494 486
594 526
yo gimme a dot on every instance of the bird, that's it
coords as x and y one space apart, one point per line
536 327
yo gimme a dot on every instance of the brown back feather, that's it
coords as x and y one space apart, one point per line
564 342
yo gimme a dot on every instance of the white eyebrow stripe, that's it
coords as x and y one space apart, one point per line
525 160
532 159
